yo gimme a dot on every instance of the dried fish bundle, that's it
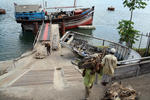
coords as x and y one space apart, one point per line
40 51
128 94
90 62
117 92
93 63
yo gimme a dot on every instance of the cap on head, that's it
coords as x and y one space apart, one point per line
112 50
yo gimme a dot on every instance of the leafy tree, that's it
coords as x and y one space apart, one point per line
126 30
133 4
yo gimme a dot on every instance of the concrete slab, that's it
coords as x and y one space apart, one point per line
35 77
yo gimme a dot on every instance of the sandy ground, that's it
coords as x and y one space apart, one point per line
141 84
65 83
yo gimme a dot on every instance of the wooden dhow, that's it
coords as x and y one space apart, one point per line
32 16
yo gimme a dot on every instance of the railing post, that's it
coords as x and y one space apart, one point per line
36 27
138 70
140 41
63 27
148 45
103 42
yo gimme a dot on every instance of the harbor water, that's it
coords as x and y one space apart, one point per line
13 42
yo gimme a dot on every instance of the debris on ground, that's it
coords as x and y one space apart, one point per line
83 49
118 92
40 52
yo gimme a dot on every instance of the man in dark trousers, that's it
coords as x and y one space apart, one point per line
48 47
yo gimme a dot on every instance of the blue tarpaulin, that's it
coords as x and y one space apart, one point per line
30 15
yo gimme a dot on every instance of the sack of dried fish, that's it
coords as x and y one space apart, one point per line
117 92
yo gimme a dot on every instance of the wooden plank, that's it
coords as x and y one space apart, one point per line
132 70
144 67
126 71
55 36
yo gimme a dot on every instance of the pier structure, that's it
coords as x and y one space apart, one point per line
53 77
48 33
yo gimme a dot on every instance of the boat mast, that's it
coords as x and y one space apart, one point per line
43 5
75 3
74 6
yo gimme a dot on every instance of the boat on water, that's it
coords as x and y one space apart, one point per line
31 16
74 18
2 11
80 44
111 8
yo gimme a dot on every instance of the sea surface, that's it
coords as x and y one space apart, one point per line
13 42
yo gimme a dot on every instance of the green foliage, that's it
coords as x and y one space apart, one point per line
127 32
141 51
133 4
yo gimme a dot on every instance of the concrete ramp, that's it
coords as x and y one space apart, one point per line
35 77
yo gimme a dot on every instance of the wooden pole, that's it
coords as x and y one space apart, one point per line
22 26
63 28
140 41
43 5
148 44
35 27
103 43
74 3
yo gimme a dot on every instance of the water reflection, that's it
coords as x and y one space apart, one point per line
13 42
26 37
26 41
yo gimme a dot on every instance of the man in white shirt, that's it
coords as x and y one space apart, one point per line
109 63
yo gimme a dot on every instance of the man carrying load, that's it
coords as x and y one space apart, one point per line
91 67
89 79
109 63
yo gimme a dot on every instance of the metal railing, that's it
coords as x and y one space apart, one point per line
132 60
38 35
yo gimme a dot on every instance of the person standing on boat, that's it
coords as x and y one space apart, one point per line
109 63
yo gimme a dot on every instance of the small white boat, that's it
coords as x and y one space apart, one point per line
87 27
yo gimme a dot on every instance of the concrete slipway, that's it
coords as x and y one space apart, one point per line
54 78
